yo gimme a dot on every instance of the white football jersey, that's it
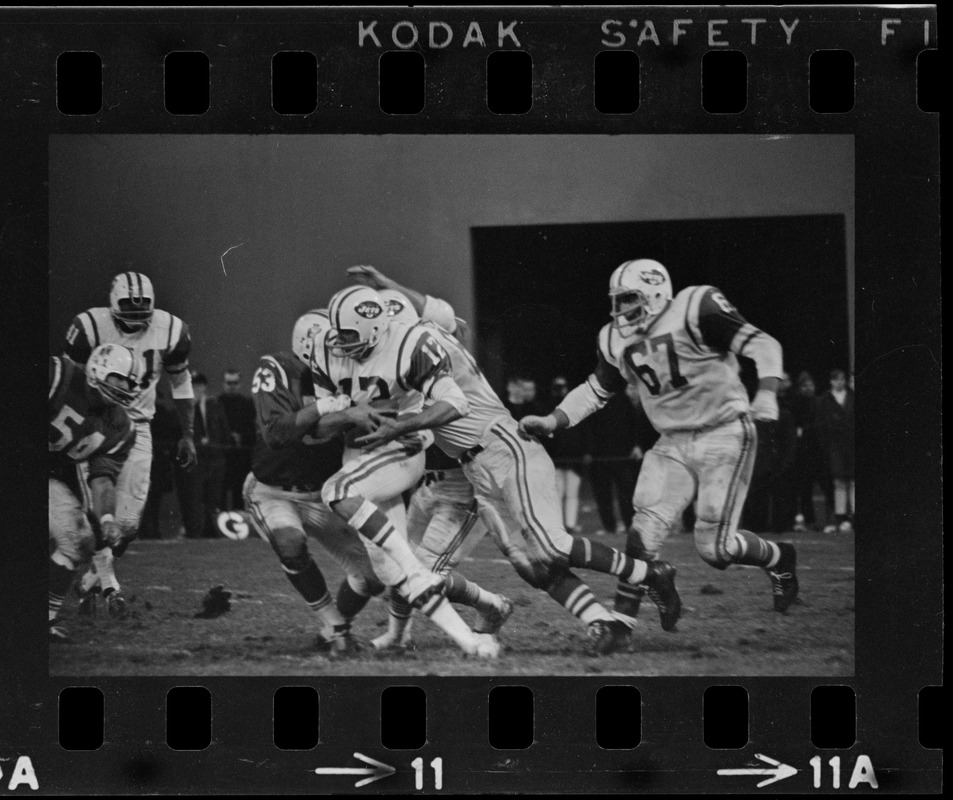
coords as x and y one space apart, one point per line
683 365
458 436
164 344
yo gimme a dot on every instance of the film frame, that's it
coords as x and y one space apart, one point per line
899 595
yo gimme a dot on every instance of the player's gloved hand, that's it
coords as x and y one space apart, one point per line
185 453
328 405
370 276
367 418
538 426
764 407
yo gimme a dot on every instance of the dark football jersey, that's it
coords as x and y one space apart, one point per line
281 387
82 428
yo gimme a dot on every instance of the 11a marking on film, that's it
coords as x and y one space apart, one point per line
863 772
375 772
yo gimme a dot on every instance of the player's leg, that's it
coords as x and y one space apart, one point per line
354 494
724 461
278 518
71 545
527 480
573 483
664 489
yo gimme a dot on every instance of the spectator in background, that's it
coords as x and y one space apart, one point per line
166 432
615 458
240 416
772 500
835 426
200 490
567 448
521 397
808 468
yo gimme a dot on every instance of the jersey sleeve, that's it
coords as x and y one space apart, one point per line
80 338
722 328
276 404
606 373
428 363
180 344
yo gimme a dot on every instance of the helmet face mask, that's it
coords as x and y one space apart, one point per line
359 318
132 301
629 310
115 372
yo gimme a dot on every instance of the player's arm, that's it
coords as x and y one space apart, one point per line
176 365
583 401
722 328
429 308
79 339
428 372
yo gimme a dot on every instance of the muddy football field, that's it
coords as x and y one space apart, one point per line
729 626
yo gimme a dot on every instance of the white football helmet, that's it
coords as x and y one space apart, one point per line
122 365
132 301
640 290
358 321
306 328
399 308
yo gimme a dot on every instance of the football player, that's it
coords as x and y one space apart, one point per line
161 341
364 358
514 483
88 425
681 353
443 523
294 454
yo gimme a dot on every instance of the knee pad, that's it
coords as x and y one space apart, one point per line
291 547
706 543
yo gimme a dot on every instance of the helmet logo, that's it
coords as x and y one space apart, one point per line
394 307
652 277
369 309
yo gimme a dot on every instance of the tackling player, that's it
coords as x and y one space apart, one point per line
89 426
160 340
363 357
514 483
680 352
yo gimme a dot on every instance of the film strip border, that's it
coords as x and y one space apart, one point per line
487 70
503 735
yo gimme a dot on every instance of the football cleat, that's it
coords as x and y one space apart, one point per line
783 576
491 620
607 636
87 600
391 640
845 527
660 585
484 646
116 604
343 645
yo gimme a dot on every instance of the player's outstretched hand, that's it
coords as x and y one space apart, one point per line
186 455
367 418
370 276
538 426
387 430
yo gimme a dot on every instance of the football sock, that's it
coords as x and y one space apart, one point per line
398 617
628 598
755 551
466 592
373 524
445 616
350 602
103 562
312 587
577 598
61 578
586 554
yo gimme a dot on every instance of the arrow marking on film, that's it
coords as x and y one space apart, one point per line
778 771
375 772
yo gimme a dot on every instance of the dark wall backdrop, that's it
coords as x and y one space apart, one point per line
303 208
546 292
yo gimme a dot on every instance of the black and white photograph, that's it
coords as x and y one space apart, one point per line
596 416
